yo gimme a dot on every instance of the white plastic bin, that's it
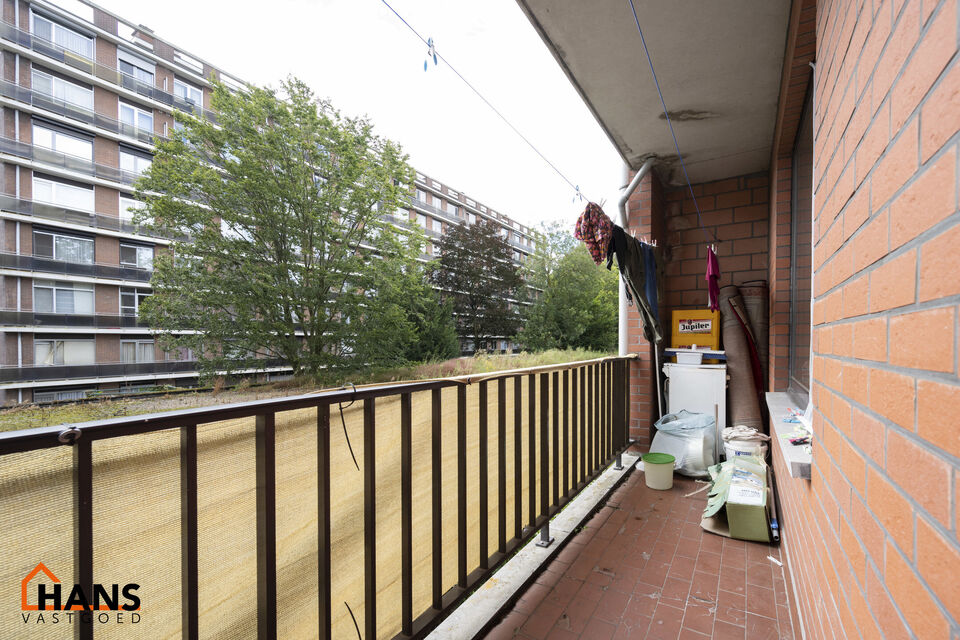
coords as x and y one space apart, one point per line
658 470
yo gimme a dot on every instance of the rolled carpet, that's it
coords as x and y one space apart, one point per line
743 406
756 299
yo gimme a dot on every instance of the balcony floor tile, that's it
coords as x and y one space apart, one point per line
642 567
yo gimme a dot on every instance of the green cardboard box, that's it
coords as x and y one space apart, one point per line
737 501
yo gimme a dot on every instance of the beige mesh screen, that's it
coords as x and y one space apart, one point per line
137 533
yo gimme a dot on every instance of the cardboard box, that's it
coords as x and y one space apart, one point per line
737 504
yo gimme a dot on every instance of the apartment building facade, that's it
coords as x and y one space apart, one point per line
84 95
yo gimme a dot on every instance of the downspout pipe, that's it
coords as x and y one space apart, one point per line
623 220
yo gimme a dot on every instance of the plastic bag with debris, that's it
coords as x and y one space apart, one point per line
689 437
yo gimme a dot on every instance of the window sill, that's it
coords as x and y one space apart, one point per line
797 461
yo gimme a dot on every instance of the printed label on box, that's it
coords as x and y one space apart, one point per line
696 326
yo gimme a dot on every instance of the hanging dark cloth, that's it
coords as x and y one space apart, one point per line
638 268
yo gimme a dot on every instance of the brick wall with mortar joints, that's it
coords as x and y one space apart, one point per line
882 503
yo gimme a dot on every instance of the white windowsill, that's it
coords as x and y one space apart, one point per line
798 462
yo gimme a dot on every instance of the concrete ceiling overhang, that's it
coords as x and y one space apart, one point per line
718 63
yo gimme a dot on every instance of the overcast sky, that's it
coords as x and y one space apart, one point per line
358 54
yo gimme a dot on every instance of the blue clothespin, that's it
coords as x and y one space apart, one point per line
431 53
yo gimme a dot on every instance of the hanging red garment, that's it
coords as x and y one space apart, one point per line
713 280
595 229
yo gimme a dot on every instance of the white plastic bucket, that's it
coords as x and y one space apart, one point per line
658 470
734 448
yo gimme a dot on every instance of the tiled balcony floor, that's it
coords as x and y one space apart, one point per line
643 568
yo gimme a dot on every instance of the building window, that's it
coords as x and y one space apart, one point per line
135 67
137 350
188 92
63 352
421 195
61 142
62 297
133 163
60 89
452 193
138 118
801 252
62 194
451 208
471 218
47 244
132 255
188 61
61 36
129 208
131 299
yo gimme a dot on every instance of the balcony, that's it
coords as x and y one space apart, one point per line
12 317
95 220
49 49
48 265
76 112
32 152
258 516
29 373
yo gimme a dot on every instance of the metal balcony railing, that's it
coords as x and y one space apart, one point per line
432 210
474 466
45 47
48 265
30 151
76 112
96 220
10 317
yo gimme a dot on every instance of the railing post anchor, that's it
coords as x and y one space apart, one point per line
619 465
545 540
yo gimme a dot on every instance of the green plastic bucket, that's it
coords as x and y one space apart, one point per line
658 470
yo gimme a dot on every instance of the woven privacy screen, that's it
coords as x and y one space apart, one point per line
137 503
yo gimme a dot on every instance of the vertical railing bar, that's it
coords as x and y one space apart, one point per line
266 527
590 421
370 517
437 479
582 375
618 438
611 384
597 422
574 458
556 438
189 568
323 522
544 443
604 404
482 469
502 465
566 432
461 486
406 514
517 456
83 526
531 448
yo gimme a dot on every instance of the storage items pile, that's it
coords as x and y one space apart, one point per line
738 500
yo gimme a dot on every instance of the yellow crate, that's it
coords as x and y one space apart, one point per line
695 326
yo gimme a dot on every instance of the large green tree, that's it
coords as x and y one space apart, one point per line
477 276
282 200
578 305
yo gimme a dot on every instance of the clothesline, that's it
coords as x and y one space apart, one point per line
432 48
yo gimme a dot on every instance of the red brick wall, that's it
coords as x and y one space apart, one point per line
873 536
735 211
